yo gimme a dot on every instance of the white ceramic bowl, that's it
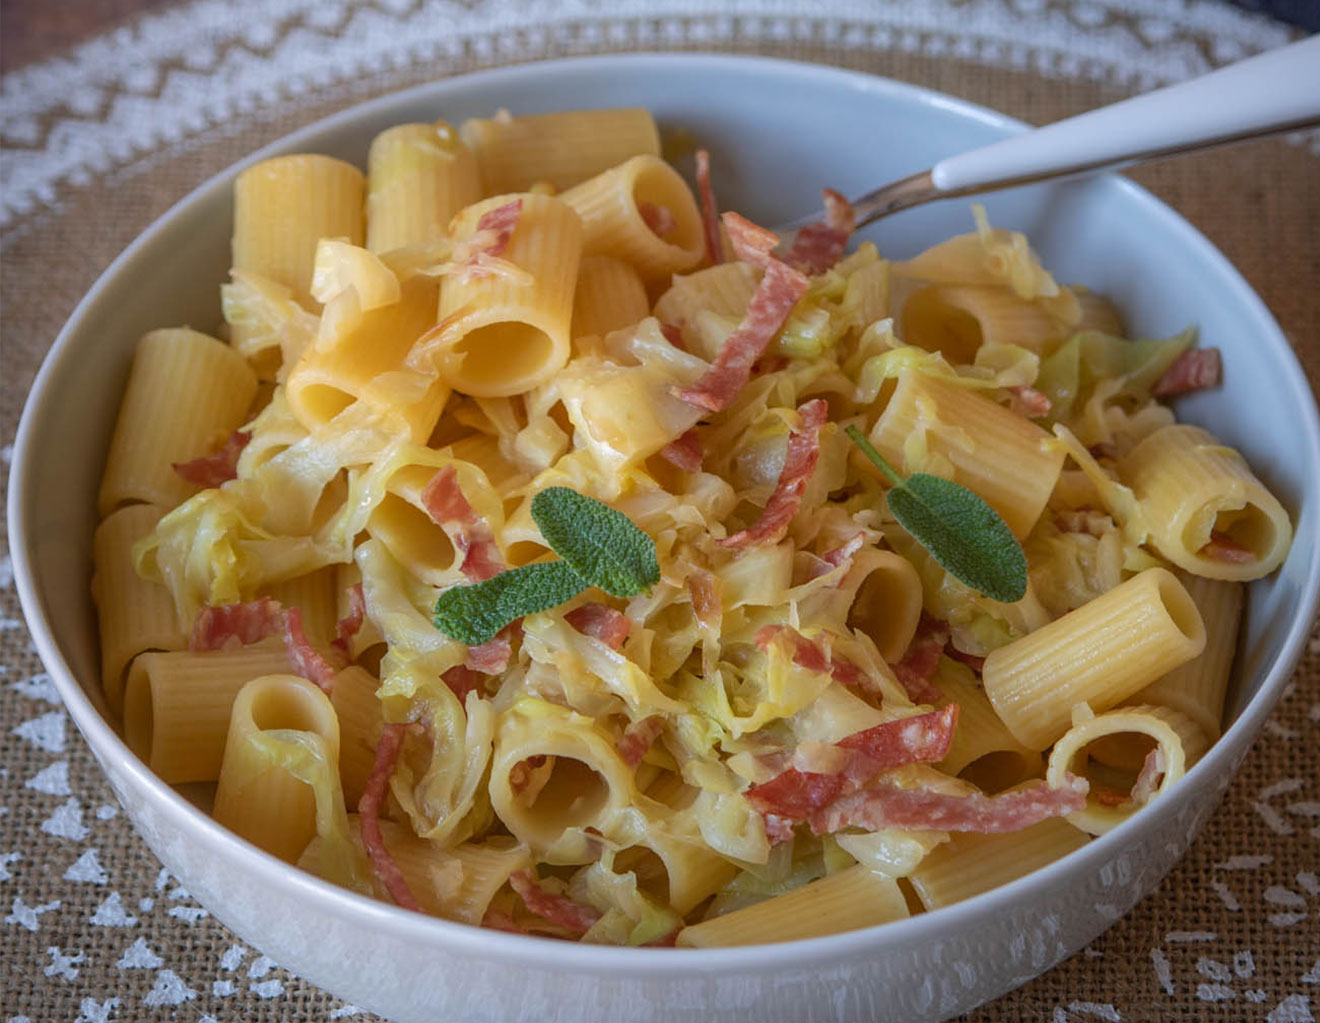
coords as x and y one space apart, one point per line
777 131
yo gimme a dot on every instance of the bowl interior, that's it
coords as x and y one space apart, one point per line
777 133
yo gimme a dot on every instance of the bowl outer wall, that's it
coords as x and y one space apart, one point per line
928 967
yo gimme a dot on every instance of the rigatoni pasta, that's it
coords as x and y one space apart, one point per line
547 582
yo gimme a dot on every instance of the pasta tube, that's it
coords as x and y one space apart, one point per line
504 333
558 149
1168 731
1100 654
853 898
1208 513
643 213
609 297
186 394
259 794
134 614
970 863
418 177
938 426
284 206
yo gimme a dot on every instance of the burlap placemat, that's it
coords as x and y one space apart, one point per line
91 929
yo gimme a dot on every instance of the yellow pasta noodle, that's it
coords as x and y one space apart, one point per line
176 705
418 177
135 615
314 594
580 781
853 898
614 207
284 206
353 696
257 795
559 149
970 864
505 333
887 605
1198 495
186 393
956 320
932 423
1167 732
1099 654
983 751
609 296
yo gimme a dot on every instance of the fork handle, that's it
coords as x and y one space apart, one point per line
1273 92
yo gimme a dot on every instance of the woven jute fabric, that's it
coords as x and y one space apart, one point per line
91 928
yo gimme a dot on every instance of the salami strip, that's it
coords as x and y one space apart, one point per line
685 452
556 909
449 509
674 335
775 296
373 796
304 658
920 739
216 468
599 621
637 738
247 623
1152 772
462 680
795 795
1029 402
923 655
658 218
494 229
844 553
799 463
347 627
1223 547
818 246
1194 370
492 656
884 806
814 657
710 213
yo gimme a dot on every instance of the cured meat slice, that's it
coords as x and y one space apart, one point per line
559 910
219 466
347 627
799 463
462 680
306 660
923 655
471 536
386 870
685 452
637 738
246 623
818 246
1029 402
1193 370
1222 547
886 806
658 218
780 288
921 739
813 656
710 213
600 621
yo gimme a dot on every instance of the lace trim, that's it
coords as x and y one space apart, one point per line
172 77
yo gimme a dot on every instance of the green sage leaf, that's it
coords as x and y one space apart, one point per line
602 545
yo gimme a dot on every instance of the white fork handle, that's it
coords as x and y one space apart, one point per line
1271 91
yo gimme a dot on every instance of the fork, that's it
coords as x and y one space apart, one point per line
1271 93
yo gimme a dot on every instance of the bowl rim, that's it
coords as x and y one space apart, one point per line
479 942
